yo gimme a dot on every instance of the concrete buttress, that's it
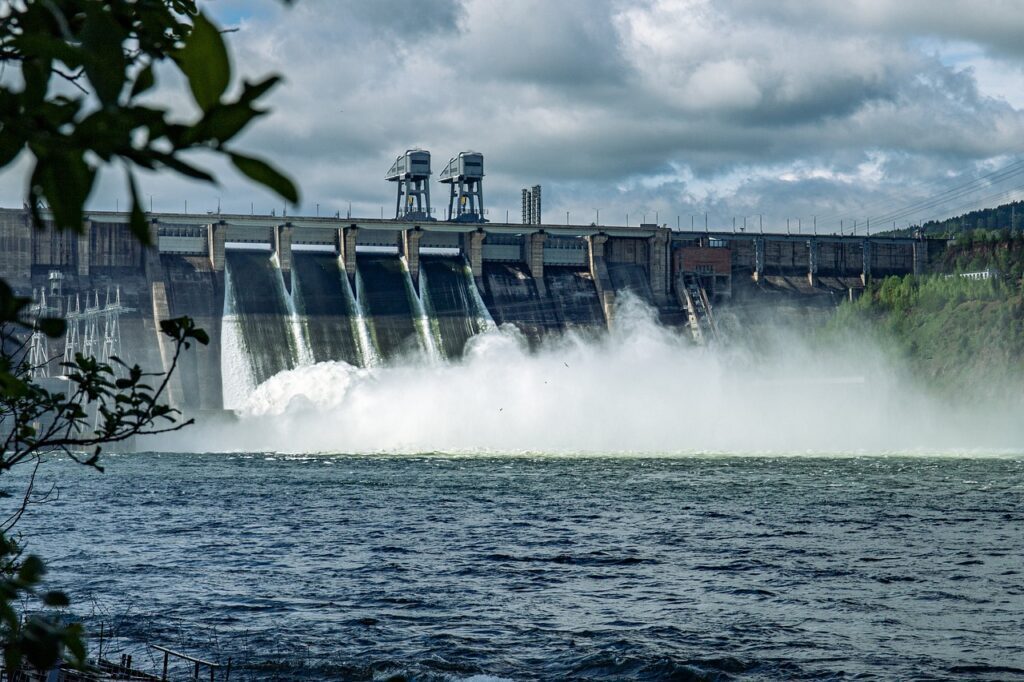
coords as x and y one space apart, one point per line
410 248
758 259
865 274
812 262
534 247
920 257
16 249
346 243
83 255
658 267
599 272
473 246
283 251
216 236
162 311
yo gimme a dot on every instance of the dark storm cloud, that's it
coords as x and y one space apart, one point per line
565 44
673 104
400 18
996 25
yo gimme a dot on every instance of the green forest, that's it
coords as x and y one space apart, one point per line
1009 217
962 335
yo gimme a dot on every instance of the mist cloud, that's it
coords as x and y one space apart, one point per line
641 389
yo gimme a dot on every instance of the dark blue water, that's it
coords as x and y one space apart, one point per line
438 568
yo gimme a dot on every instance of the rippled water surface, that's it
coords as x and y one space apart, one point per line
526 568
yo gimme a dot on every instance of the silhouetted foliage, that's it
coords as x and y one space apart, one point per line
86 67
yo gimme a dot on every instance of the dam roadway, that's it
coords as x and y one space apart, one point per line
535 245
376 299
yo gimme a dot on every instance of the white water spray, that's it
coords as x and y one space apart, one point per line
642 388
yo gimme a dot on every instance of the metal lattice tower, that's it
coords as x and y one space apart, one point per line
112 327
91 318
465 175
531 205
72 318
38 348
83 327
412 173
39 345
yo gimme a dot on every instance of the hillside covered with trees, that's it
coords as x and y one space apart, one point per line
961 335
1009 217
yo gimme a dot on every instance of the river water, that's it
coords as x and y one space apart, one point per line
434 567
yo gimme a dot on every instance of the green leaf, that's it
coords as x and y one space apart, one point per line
266 175
223 122
31 570
204 61
64 181
10 145
172 327
175 163
11 386
75 642
104 57
144 81
137 220
56 599
52 326
253 91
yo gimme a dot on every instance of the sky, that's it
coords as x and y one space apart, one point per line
660 110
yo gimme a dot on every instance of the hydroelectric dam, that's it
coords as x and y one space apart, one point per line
275 293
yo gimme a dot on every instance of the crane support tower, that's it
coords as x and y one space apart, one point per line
465 175
411 171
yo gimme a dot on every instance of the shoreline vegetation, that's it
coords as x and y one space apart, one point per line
960 327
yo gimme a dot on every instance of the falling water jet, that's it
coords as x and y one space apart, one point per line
237 381
430 314
483 315
304 354
421 320
367 348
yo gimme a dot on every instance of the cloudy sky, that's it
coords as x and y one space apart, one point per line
783 108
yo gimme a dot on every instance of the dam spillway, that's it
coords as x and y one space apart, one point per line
513 297
385 294
255 302
326 308
275 295
451 303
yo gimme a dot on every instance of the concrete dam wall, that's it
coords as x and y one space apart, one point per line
274 296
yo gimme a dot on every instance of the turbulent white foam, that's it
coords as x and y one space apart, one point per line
641 389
